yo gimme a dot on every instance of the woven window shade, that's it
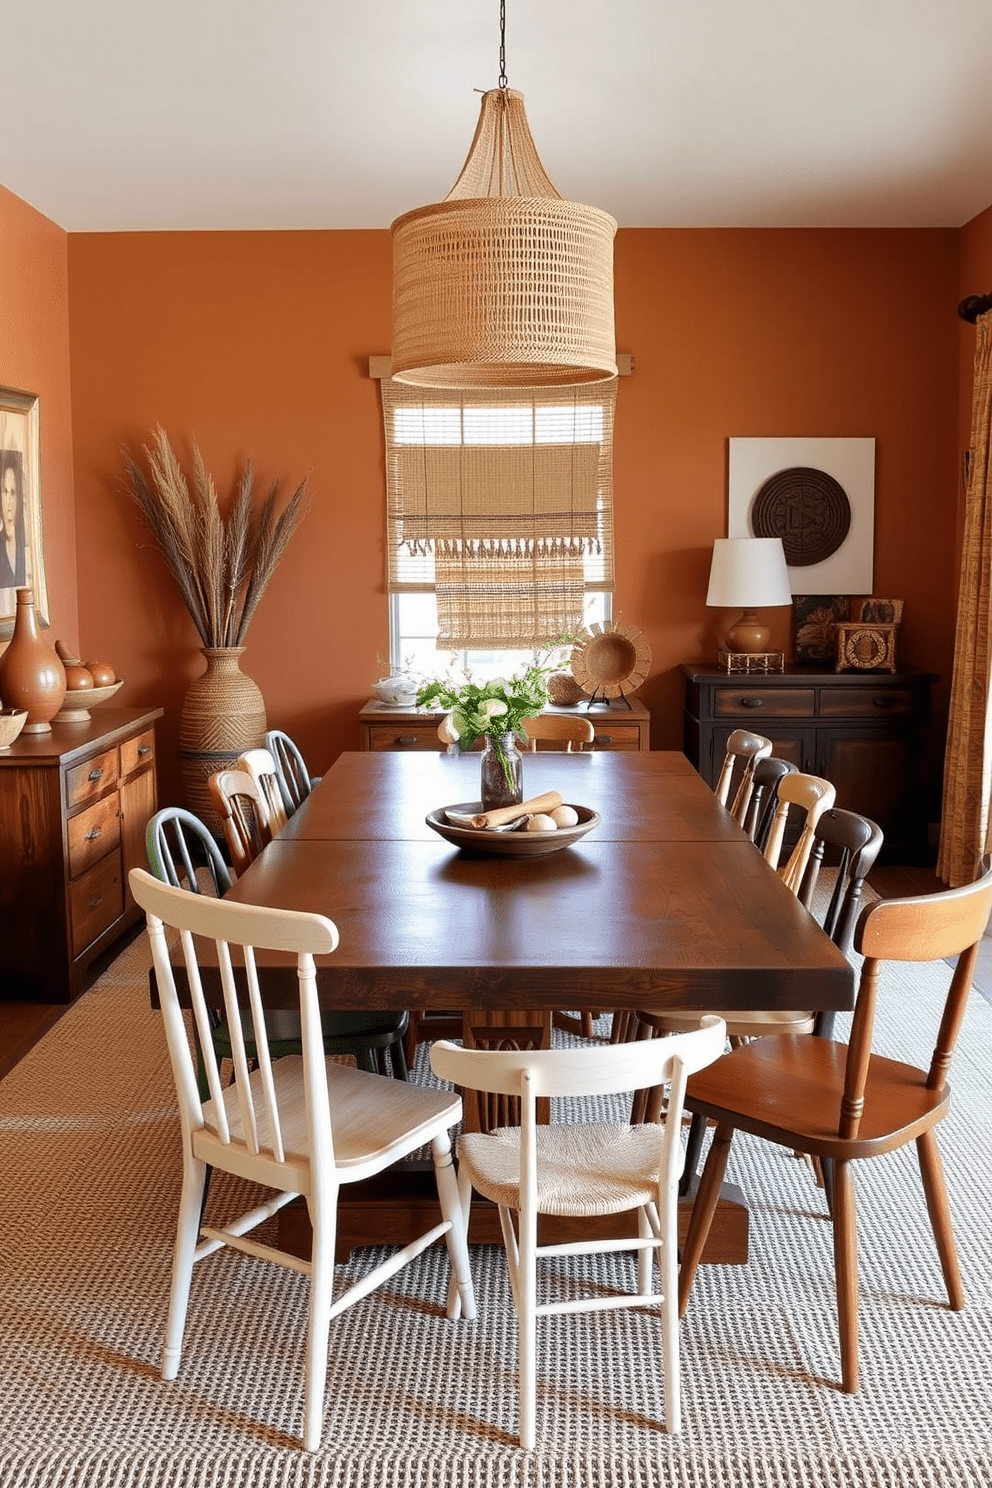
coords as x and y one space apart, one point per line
499 500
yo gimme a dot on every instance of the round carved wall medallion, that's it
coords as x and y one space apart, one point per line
807 509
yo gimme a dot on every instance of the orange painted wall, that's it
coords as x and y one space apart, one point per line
34 358
256 344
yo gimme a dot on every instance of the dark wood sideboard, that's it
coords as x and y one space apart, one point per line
384 726
74 804
863 731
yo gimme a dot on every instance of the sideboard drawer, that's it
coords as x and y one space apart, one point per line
90 779
612 736
858 702
93 833
755 703
137 751
403 736
96 900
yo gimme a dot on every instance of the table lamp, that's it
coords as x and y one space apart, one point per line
747 572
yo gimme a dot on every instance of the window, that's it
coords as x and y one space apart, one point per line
499 519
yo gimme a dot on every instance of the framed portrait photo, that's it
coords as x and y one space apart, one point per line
22 558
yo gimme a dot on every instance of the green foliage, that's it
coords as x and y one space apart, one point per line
495 707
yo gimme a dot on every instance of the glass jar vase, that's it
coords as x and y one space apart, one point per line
502 770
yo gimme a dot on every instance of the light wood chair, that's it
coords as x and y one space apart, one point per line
561 729
295 780
238 803
580 1170
844 1104
303 1125
810 795
178 844
260 765
744 749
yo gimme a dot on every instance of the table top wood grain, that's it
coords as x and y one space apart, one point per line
666 902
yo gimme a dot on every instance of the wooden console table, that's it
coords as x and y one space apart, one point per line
384 726
74 804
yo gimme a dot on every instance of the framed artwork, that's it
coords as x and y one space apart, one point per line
816 617
818 496
875 609
22 558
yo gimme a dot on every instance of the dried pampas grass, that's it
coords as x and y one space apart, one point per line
221 564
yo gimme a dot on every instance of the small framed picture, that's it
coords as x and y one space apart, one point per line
22 561
873 609
816 617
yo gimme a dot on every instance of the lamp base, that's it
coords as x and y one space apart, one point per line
748 634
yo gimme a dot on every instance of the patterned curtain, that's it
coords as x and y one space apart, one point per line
964 835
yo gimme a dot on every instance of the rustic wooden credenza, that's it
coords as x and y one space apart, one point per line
74 804
385 726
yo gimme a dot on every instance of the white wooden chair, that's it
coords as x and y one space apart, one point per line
581 1170
260 765
298 1125
748 748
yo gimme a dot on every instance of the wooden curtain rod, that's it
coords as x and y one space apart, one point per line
974 306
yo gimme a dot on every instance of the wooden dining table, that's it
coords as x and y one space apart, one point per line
666 902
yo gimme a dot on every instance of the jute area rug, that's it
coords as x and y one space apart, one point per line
90 1185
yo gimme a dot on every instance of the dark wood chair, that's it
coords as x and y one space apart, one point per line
854 841
744 749
764 795
842 1103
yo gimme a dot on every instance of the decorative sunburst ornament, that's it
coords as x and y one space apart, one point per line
610 660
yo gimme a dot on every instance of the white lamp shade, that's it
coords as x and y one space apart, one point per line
747 572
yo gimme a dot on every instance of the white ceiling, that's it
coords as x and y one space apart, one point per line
148 114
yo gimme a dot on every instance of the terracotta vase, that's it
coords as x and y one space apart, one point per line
223 714
31 674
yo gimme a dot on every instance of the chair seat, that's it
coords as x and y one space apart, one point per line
583 1170
376 1120
788 1089
741 1022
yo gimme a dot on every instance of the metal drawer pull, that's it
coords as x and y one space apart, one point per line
884 701
95 903
143 749
603 739
406 740
95 774
751 702
93 834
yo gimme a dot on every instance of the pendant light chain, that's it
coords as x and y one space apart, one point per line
502 44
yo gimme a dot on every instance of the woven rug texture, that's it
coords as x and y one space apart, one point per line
91 1172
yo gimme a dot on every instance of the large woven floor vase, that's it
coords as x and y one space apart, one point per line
223 714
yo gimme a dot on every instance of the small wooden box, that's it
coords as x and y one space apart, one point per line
751 661
863 647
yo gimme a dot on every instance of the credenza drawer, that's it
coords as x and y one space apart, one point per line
403 736
93 833
858 702
617 736
90 779
137 751
754 703
96 900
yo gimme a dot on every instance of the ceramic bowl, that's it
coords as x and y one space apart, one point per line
12 720
399 691
77 704
508 844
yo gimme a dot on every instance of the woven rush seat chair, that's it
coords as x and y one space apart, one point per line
299 1125
580 1170
844 1104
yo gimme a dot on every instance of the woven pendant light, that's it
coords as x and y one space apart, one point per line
504 283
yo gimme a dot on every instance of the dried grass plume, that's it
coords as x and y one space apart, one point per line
222 564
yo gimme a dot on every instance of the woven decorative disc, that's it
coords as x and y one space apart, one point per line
807 509
611 660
